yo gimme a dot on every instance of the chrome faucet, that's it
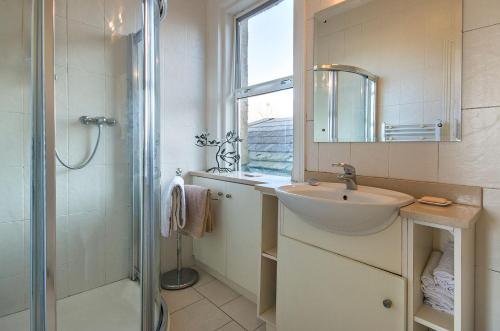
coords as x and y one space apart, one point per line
349 175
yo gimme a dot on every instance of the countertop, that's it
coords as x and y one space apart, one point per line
455 215
264 183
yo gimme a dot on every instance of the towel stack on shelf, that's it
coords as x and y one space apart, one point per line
438 280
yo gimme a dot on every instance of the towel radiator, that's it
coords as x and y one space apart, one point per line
412 132
179 278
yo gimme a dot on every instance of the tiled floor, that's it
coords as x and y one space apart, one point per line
209 306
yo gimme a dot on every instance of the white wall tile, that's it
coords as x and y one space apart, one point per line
311 149
86 93
370 159
118 187
61 8
488 232
11 139
474 161
86 190
61 240
487 300
333 153
480 13
61 41
62 283
87 11
12 292
11 194
86 47
481 68
86 251
11 249
418 161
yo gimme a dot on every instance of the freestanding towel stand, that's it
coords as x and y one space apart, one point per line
180 277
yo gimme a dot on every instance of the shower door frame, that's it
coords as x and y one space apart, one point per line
154 313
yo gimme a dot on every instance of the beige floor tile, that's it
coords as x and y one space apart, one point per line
179 299
217 292
205 278
200 316
233 326
243 311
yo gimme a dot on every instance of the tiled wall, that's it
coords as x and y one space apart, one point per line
474 161
93 204
182 61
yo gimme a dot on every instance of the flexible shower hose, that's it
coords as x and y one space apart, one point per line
84 163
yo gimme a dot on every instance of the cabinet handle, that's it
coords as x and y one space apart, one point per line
229 196
387 303
220 194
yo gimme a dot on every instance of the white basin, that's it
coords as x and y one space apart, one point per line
333 208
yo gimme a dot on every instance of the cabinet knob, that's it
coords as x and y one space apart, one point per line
229 196
220 194
387 303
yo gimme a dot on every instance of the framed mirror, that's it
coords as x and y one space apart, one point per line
388 70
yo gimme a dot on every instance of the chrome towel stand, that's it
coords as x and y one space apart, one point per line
180 277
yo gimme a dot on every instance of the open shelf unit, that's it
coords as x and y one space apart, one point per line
271 253
433 319
423 238
266 296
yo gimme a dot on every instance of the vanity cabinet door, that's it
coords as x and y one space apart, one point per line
322 291
211 249
242 213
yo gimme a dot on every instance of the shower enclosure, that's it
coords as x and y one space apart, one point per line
79 178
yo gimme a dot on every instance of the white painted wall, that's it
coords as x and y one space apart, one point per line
474 161
183 101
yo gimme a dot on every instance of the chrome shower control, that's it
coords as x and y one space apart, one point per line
100 120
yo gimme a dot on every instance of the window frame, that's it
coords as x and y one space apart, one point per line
271 86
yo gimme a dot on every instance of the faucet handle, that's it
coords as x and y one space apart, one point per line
348 169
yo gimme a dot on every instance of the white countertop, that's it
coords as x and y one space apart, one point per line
263 183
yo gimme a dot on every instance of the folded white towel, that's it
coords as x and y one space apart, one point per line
444 272
427 277
173 206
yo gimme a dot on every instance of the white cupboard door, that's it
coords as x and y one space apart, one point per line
211 249
242 212
322 291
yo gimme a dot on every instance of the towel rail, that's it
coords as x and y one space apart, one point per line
179 278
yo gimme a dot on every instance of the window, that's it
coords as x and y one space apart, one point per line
264 88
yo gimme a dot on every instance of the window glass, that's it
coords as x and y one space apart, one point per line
266 126
266 44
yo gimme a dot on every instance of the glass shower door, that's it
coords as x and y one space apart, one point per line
15 163
96 206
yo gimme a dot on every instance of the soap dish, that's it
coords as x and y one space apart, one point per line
444 204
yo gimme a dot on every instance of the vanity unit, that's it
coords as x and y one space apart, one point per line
368 281
364 275
232 251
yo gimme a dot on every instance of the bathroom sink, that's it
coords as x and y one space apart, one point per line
333 208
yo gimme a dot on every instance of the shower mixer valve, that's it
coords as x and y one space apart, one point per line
100 120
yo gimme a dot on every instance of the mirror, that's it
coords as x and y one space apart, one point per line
388 70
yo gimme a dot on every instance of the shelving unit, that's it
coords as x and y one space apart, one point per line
271 253
423 238
433 319
266 298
